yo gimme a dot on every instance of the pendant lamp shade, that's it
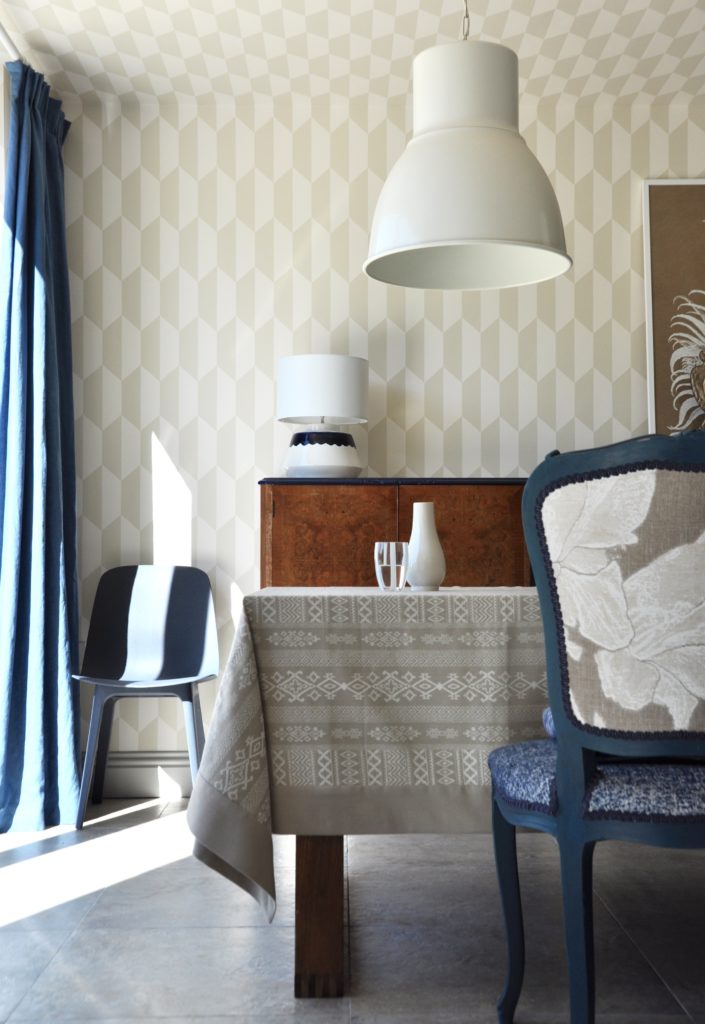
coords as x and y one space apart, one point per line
467 205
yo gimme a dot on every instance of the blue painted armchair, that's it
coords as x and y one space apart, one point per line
616 537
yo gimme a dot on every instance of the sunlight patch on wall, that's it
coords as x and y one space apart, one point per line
236 598
172 511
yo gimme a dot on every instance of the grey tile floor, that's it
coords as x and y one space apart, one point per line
120 924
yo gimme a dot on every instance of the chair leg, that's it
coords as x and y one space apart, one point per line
576 881
94 729
505 850
193 721
198 719
101 760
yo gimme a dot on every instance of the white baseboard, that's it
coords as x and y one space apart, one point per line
147 774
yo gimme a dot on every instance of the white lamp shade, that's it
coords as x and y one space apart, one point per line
467 205
322 389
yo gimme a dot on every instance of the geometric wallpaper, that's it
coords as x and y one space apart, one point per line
209 237
357 48
208 240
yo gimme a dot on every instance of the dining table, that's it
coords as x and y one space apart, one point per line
354 711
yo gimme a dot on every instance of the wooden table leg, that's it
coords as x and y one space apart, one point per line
319 961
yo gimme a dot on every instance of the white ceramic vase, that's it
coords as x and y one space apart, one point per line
427 564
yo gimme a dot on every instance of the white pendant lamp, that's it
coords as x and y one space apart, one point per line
467 205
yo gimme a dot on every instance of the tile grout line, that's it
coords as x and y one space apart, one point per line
642 954
346 918
68 934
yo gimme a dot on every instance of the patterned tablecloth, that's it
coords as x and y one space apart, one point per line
354 711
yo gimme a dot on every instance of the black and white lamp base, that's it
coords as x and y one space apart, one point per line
322 453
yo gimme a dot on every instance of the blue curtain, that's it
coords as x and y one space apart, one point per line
38 595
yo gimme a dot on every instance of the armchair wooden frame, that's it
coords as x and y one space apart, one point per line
578 750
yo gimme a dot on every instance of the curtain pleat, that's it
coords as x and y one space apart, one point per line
38 594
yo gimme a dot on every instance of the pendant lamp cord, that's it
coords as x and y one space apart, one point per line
466 22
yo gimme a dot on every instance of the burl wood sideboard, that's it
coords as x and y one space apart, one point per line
319 533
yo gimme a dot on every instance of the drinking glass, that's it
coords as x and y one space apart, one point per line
391 563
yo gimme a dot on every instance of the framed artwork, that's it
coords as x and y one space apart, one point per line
674 273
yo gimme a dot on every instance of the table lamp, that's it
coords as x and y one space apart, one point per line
322 391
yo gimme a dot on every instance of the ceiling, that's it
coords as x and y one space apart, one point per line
224 48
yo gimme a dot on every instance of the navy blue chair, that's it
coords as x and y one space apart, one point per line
616 537
152 633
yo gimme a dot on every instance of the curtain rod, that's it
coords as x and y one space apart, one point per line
6 41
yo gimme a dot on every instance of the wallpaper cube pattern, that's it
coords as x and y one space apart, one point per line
207 240
358 48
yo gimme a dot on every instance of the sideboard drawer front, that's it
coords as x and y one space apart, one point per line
324 535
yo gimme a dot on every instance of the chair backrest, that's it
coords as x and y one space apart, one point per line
616 538
152 623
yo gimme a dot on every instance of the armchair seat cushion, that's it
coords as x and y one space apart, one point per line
648 791
524 775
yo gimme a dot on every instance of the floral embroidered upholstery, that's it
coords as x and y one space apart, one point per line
627 553
524 775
